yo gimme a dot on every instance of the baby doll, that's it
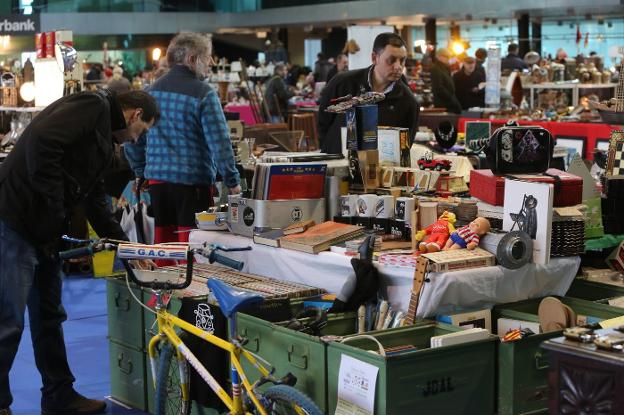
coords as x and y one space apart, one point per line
468 236
436 234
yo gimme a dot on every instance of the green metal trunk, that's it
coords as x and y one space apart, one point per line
455 380
523 366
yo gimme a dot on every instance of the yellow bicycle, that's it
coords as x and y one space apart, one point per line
170 357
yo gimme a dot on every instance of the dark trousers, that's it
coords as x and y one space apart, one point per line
174 207
29 279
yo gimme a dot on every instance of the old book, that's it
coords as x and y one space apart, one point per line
270 238
320 237
299 227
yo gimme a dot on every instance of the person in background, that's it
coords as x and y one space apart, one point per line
480 57
118 82
180 157
277 94
342 64
442 85
321 68
293 75
398 109
561 56
56 166
512 61
469 85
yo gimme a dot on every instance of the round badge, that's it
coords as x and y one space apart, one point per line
296 214
249 216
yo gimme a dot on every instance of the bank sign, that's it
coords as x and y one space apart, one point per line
19 24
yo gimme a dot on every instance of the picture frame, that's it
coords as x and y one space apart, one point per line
615 155
577 143
602 144
477 131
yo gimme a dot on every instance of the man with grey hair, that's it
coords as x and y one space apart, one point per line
277 94
442 85
180 158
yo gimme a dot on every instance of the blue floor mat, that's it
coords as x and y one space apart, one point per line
85 331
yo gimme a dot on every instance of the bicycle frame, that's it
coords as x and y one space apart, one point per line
166 324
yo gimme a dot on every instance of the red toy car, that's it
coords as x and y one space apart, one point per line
428 162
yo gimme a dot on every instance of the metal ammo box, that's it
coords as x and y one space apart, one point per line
457 379
245 216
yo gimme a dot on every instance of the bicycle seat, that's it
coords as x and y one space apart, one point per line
232 299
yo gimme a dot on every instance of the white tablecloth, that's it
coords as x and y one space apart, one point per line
445 292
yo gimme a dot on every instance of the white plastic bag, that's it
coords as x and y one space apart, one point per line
137 224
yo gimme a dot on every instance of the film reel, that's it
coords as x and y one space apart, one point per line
514 250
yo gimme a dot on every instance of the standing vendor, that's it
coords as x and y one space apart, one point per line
398 109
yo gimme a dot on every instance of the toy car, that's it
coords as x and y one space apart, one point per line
428 162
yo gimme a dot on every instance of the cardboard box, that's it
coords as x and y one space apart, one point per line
394 146
456 259
361 123
490 188
368 161
471 319
615 260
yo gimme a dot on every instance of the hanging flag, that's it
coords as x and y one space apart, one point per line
586 43
579 35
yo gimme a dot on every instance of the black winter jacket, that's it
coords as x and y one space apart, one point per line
443 88
398 109
57 164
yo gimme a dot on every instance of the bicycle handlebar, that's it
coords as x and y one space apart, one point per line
140 251
76 252
214 256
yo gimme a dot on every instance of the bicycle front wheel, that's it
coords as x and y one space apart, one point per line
171 374
286 400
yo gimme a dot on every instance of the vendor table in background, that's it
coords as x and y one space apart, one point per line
246 114
444 293
591 133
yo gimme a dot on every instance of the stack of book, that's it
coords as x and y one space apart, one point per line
320 237
272 237
273 181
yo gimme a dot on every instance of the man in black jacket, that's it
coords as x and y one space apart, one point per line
277 94
57 164
512 61
469 85
398 109
442 85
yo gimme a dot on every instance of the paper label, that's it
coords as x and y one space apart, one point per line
356 387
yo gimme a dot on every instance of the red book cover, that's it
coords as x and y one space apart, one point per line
296 181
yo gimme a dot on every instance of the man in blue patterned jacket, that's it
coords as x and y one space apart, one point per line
181 156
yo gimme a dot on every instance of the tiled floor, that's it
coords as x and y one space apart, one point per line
85 336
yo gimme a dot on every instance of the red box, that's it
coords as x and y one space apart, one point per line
490 188
40 45
50 41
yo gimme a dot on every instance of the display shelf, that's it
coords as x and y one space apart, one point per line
575 87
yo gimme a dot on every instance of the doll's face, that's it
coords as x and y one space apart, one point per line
480 226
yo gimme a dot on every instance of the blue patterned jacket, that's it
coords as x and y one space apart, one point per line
191 142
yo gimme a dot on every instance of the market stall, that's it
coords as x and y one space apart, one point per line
445 292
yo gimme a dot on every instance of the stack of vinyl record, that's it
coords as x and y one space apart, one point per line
568 237
613 205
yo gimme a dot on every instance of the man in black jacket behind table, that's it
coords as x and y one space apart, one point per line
469 85
398 109
57 163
